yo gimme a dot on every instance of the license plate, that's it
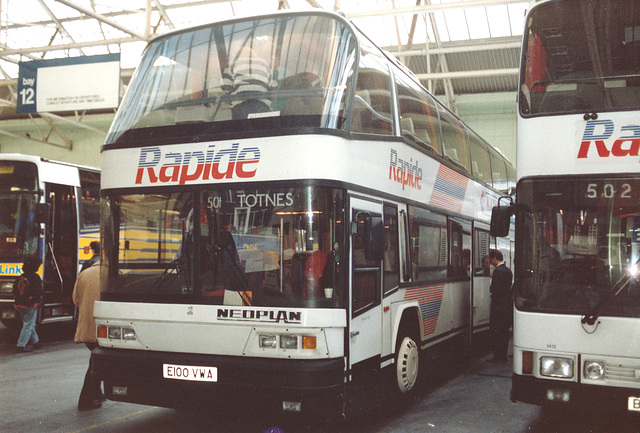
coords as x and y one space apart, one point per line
195 373
633 404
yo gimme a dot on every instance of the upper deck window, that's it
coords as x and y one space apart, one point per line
581 57
418 114
454 139
292 69
372 112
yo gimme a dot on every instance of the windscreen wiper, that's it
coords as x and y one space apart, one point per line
234 269
616 289
207 100
177 267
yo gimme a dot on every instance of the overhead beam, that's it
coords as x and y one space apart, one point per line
457 49
118 41
102 19
442 61
469 74
73 122
5 49
68 142
112 14
46 48
24 137
55 19
314 4
49 118
432 8
52 116
163 13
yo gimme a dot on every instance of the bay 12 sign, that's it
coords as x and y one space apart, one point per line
68 84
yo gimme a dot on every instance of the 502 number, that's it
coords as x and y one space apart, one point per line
608 190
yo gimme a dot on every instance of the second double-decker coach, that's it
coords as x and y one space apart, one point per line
576 290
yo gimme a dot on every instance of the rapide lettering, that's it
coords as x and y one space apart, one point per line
405 172
602 135
215 163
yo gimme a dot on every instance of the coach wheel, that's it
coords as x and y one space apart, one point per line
407 364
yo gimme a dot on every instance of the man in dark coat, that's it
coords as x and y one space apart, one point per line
501 302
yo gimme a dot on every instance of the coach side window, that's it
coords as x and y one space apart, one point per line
391 249
89 203
511 177
459 248
366 269
428 244
481 245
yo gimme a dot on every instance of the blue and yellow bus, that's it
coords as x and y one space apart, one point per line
51 210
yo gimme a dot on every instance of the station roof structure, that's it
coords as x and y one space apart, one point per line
453 46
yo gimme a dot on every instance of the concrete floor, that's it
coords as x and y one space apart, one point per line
39 392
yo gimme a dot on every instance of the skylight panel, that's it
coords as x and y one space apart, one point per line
499 21
478 23
457 24
371 26
202 14
441 27
516 17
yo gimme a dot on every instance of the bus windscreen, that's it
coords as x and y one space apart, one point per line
287 70
582 238
267 247
19 231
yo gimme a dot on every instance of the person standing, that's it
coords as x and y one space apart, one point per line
249 79
95 247
501 301
27 290
85 293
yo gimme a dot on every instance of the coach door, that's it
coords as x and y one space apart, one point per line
365 331
61 258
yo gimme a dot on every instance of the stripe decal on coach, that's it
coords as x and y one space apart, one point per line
430 300
449 189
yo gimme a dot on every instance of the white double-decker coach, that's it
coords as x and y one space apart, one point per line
577 297
289 219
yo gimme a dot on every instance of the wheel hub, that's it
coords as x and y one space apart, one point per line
407 366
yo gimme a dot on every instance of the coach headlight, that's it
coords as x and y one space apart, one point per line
594 370
116 333
552 366
128 334
268 341
288 342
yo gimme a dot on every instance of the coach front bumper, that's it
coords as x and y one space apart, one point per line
137 377
532 390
